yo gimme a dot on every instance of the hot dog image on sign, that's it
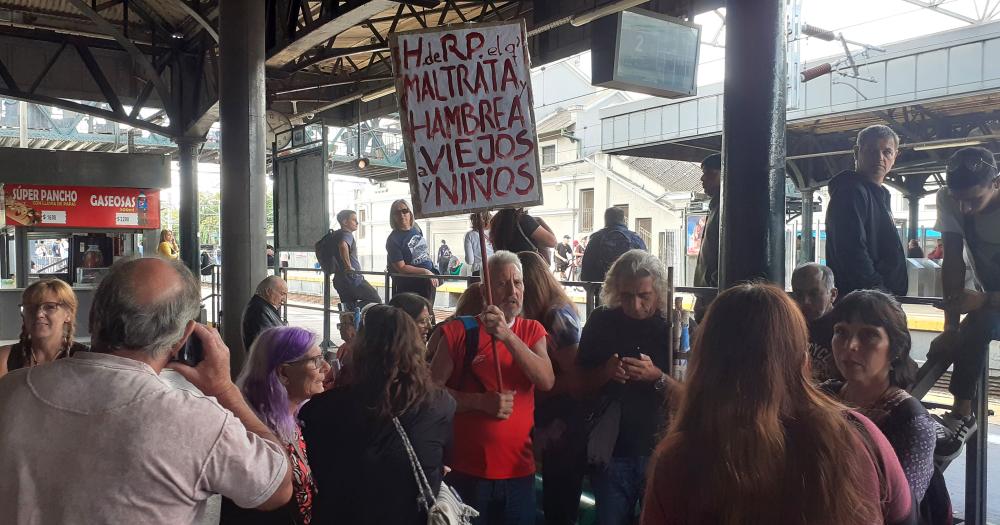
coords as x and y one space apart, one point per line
466 108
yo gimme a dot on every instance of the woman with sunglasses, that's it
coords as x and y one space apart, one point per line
48 322
284 370
419 309
408 253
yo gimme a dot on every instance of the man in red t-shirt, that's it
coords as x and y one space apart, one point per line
492 462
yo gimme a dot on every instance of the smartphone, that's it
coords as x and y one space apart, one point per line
192 352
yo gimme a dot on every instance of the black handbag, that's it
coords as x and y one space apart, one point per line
602 427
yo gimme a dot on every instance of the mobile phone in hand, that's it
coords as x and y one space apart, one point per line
192 352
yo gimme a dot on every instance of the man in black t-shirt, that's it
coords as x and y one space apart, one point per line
624 355
351 286
814 292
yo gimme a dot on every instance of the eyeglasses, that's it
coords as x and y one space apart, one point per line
48 308
970 163
317 361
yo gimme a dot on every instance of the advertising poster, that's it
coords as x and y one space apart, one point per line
695 233
81 207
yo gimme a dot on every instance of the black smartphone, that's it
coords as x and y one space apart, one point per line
192 352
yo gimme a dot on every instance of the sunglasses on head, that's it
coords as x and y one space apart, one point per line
972 164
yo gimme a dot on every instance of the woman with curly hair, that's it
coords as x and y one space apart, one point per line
48 322
361 466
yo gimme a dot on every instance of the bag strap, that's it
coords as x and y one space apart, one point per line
426 496
471 348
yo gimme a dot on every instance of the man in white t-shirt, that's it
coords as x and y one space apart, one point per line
969 215
100 437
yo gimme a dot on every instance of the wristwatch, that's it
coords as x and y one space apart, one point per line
660 383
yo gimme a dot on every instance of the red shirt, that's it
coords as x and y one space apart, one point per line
484 446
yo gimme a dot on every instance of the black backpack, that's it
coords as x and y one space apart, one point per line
603 250
327 252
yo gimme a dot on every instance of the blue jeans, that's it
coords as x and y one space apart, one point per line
499 501
618 489
974 336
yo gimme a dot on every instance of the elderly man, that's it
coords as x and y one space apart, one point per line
492 459
624 354
262 310
121 445
813 290
862 244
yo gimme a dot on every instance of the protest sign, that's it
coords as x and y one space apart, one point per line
468 121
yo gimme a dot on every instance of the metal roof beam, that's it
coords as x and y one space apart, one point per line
356 13
145 68
935 6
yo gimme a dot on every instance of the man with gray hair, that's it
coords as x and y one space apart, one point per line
814 291
100 437
262 310
863 247
493 465
625 360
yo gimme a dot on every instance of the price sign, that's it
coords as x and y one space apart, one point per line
126 219
53 217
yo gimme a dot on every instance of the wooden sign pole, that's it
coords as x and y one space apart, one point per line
488 294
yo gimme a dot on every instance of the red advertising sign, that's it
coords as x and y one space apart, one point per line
467 116
81 207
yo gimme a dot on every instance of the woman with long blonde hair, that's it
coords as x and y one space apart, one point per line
754 441
48 323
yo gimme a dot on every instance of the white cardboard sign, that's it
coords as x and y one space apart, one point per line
468 118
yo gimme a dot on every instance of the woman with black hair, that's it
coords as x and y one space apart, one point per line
419 309
512 229
871 348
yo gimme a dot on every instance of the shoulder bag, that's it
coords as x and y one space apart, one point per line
447 508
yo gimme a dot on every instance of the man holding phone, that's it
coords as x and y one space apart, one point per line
624 354
120 444
969 221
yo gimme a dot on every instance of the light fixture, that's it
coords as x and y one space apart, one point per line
362 163
177 35
368 97
583 19
946 144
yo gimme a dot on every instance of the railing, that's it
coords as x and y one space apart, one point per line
975 464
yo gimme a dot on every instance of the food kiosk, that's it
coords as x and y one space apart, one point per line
73 233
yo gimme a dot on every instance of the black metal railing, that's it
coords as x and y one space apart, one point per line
975 465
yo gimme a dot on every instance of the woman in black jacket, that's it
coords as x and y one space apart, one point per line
358 460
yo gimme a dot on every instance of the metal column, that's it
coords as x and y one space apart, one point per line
975 456
808 250
241 107
753 144
188 163
22 259
912 226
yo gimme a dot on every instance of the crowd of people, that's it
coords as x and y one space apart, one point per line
795 407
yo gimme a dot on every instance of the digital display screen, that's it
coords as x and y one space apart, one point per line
657 53
651 53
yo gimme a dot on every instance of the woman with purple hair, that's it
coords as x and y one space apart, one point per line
284 370
361 466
